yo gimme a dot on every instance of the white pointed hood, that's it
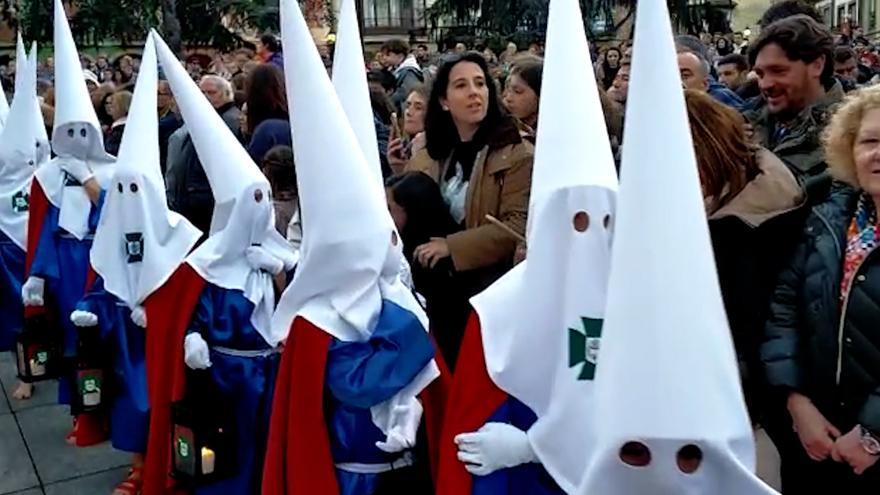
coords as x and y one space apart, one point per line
350 82
667 376
74 109
76 136
528 316
44 148
243 215
4 106
21 151
336 286
351 255
139 243
21 61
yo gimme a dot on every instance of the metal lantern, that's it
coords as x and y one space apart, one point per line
37 352
202 440
89 371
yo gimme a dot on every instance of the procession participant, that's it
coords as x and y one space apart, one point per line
138 244
65 205
229 332
669 415
347 405
23 147
522 394
350 83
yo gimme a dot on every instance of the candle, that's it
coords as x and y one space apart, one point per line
207 460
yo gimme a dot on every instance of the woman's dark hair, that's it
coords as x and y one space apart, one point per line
530 70
266 97
381 106
724 50
440 131
270 41
279 169
427 214
609 50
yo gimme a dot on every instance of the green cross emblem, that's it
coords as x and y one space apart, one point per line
182 447
20 202
583 347
42 357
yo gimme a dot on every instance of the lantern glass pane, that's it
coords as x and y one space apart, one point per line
184 450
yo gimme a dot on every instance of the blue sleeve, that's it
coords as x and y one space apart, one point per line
102 304
45 263
203 313
95 212
363 374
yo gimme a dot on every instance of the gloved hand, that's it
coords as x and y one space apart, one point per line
195 352
405 424
32 291
139 316
260 259
84 318
494 446
79 169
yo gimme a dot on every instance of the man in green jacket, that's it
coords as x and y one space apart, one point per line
792 59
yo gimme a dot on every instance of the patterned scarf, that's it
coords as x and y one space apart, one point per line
861 238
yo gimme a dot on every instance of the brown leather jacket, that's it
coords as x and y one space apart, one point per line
499 186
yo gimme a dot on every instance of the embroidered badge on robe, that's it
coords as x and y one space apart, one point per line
20 202
134 247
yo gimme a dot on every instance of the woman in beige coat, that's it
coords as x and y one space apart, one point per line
483 167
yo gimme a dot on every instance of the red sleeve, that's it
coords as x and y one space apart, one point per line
298 457
473 399
38 206
169 311
435 399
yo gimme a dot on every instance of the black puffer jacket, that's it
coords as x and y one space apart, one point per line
807 348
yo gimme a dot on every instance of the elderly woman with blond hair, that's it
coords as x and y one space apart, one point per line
822 342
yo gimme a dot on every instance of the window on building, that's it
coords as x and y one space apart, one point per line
404 14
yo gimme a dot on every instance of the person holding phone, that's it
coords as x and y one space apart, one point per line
402 145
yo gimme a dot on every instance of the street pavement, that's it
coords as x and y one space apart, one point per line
35 459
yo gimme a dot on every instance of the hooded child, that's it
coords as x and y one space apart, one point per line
229 333
65 205
670 417
139 243
350 83
518 420
23 148
354 379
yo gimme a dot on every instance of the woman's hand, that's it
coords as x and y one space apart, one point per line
816 434
848 449
395 154
430 253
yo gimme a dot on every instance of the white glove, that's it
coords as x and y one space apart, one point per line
495 446
405 424
84 318
32 291
260 259
195 352
78 169
139 316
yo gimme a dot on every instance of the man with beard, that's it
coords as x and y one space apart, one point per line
793 62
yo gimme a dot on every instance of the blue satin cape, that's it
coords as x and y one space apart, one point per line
363 374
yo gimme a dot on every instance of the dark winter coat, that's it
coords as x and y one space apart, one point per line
267 135
799 146
752 237
824 349
192 195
